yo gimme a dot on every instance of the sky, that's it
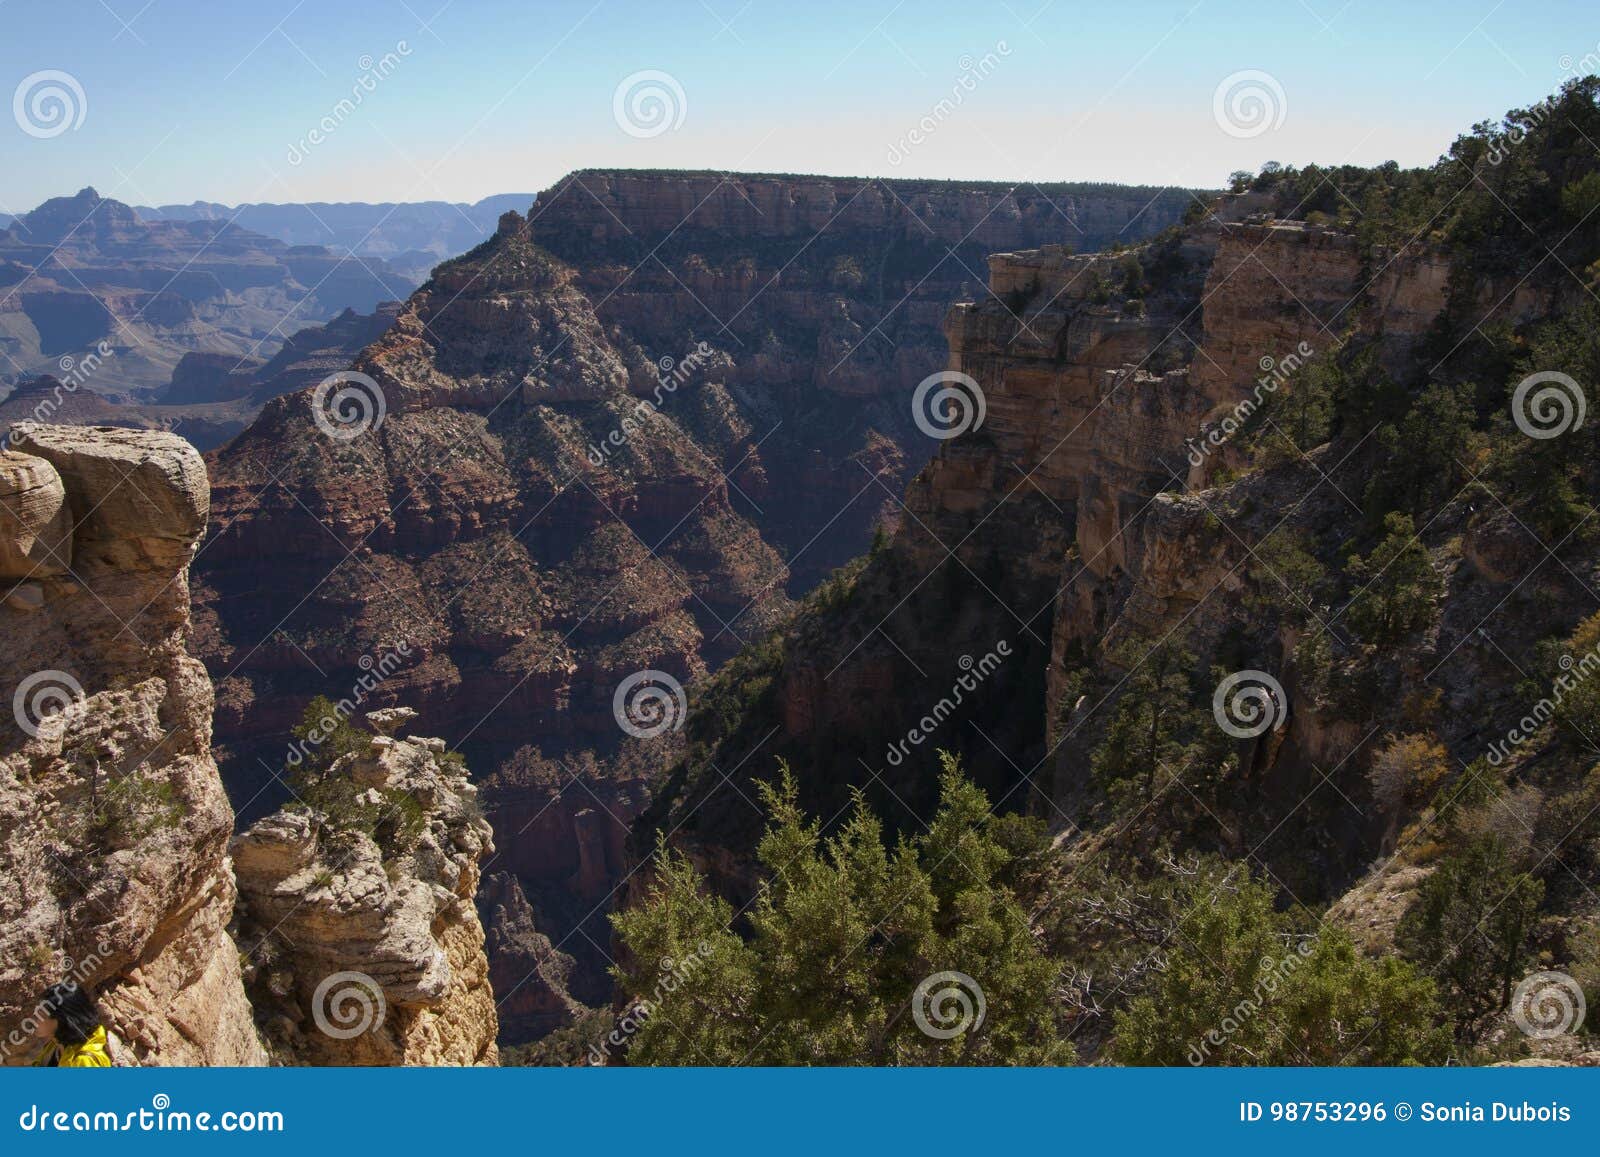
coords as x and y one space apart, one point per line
162 101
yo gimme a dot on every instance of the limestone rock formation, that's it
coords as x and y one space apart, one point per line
113 821
362 940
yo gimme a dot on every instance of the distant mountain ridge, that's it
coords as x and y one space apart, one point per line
413 236
86 280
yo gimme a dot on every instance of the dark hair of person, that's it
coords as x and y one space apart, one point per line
73 1011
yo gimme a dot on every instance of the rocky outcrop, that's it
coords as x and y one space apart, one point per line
113 820
362 940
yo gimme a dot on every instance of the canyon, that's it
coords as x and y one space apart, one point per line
620 436
632 505
1132 521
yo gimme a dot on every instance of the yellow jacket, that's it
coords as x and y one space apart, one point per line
91 1054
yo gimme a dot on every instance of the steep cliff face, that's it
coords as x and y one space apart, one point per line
580 464
828 295
114 824
359 925
1074 517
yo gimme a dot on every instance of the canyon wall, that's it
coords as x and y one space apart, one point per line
114 825
590 450
1075 515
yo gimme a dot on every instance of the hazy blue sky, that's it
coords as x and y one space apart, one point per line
213 100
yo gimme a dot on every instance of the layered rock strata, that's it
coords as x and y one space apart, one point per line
361 931
114 825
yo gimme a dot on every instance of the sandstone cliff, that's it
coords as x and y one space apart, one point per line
358 925
114 825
